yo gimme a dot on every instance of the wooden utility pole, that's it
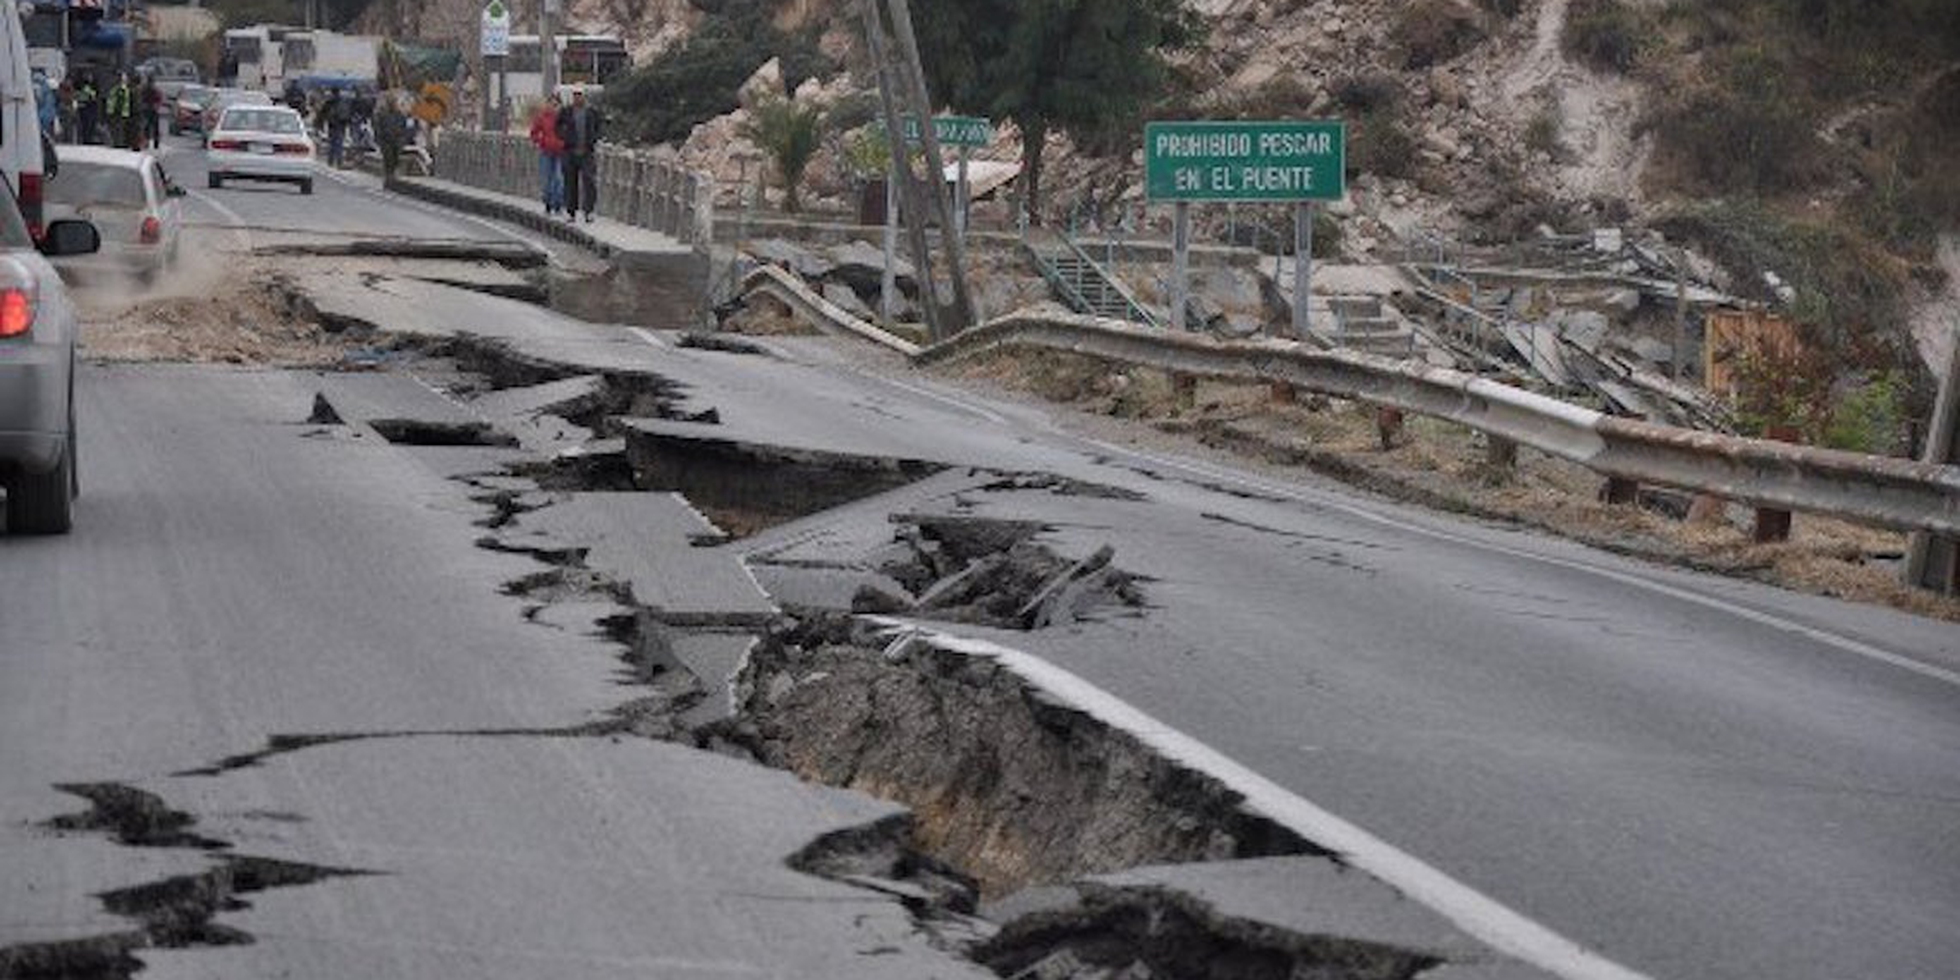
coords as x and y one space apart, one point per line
1932 561
910 193
914 76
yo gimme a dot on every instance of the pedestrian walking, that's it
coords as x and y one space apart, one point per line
151 101
44 103
336 114
551 156
64 99
119 113
581 127
391 132
88 111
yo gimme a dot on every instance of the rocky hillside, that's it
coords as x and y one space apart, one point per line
1804 139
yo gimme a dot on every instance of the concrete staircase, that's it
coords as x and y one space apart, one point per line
1363 323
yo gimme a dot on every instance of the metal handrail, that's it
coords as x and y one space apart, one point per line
636 187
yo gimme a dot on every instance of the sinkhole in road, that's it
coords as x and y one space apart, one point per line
1013 793
1005 782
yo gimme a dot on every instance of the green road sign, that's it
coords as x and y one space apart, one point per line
953 130
1245 161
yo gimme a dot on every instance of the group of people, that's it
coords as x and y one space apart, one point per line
128 114
360 120
567 138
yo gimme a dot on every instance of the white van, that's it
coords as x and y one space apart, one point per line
21 146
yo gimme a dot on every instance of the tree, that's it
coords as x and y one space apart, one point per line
1085 67
790 134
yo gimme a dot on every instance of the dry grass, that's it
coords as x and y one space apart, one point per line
1441 465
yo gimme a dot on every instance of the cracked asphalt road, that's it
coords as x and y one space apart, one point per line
1696 777
237 578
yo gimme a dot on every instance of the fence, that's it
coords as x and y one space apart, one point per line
635 187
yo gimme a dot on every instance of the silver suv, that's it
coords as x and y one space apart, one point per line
37 372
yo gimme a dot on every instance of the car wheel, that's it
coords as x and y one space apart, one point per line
44 503
216 181
306 186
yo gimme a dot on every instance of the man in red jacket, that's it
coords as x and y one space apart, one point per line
551 156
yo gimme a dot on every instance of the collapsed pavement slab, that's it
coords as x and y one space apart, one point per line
646 542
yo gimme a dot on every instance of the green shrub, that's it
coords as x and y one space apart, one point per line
1379 140
1847 292
1749 132
1432 31
1541 135
1869 417
699 80
1371 92
1605 35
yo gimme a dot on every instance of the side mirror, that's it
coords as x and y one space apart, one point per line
175 190
71 238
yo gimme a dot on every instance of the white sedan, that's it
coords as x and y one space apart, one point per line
261 142
128 198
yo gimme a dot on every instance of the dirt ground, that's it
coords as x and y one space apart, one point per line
1443 466
217 306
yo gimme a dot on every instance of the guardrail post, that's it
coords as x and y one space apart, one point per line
1772 525
1389 424
1184 390
1500 454
1933 561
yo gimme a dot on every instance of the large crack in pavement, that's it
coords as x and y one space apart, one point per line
172 913
1012 791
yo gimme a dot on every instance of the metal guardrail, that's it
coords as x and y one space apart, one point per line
635 187
1890 492
793 292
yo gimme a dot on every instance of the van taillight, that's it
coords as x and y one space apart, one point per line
30 203
151 232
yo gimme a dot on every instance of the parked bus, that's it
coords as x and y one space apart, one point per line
254 57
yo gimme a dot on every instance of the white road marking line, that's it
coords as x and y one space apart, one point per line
648 336
1844 643
991 416
1504 929
233 219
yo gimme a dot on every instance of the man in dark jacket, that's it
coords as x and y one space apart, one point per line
88 107
150 107
580 127
390 132
336 114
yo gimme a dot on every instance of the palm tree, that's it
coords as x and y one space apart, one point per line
789 134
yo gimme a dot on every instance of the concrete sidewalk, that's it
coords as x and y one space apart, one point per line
616 241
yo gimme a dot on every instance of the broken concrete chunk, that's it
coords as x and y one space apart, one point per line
793 257
861 266
847 299
872 600
1060 598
